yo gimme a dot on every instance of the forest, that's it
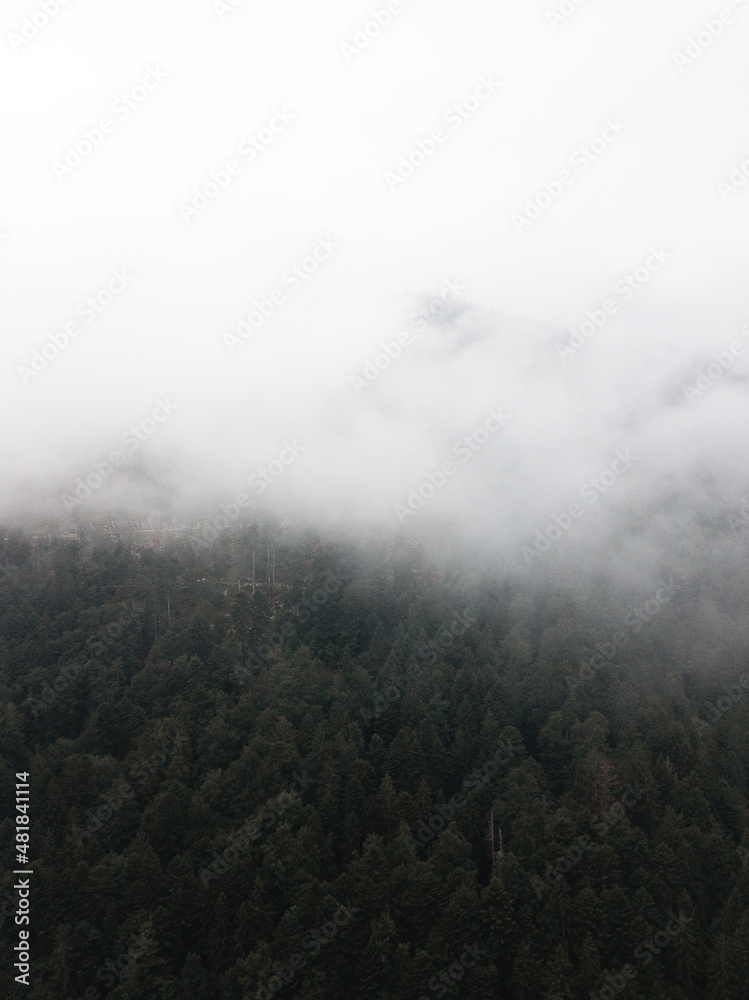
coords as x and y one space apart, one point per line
291 765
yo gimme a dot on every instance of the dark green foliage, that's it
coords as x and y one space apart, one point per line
293 787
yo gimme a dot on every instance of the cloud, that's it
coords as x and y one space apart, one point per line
635 256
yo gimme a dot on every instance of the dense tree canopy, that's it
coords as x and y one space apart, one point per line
356 774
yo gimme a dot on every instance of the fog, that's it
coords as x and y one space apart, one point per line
557 275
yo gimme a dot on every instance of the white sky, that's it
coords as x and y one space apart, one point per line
323 176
